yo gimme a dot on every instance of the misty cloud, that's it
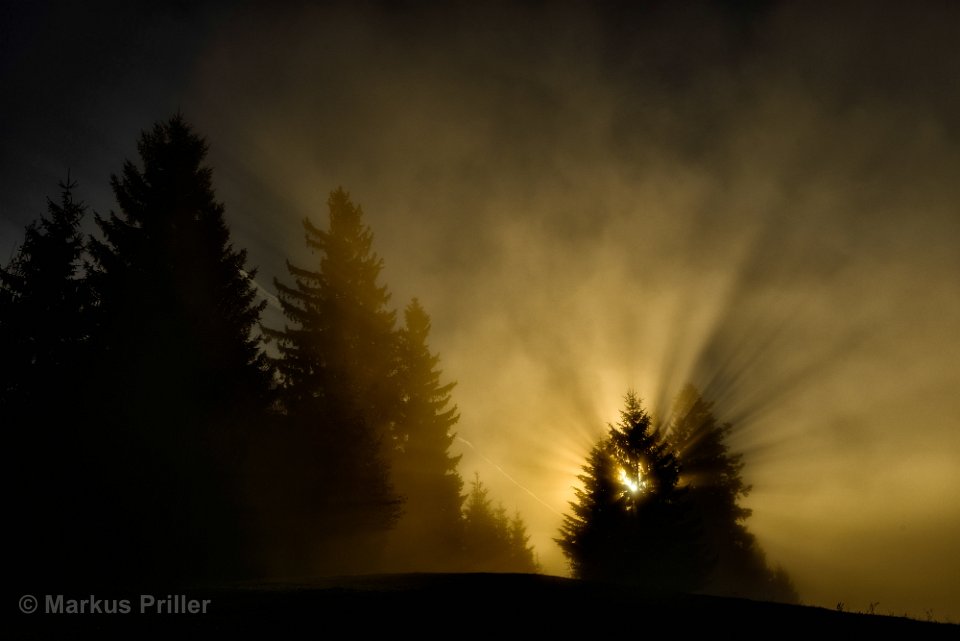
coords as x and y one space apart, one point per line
763 201
764 204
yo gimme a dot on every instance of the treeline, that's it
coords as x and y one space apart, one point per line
154 440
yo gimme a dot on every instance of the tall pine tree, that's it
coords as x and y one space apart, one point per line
712 476
429 534
630 522
43 326
41 300
181 373
338 375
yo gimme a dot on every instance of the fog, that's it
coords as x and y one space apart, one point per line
764 202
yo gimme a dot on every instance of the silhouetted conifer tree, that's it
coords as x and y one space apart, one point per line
630 522
522 557
41 298
429 534
712 475
43 326
492 541
484 545
339 393
182 376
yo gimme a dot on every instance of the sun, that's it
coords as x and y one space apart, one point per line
632 484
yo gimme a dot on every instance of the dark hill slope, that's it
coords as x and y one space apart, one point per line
450 605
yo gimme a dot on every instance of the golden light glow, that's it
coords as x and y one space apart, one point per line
632 484
556 280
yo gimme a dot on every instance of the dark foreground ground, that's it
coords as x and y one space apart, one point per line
435 606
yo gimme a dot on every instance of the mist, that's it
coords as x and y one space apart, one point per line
762 201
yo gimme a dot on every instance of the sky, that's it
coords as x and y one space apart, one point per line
761 198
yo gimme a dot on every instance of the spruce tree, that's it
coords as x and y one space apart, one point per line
522 557
428 536
630 522
484 545
182 378
492 541
712 476
338 390
42 298
43 327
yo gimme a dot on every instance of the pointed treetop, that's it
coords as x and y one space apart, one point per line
417 320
